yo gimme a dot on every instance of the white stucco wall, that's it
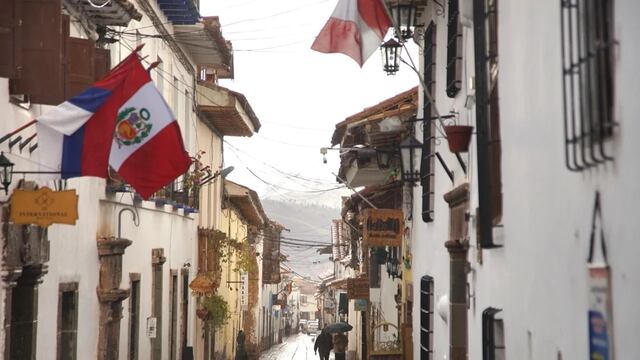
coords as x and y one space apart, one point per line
539 277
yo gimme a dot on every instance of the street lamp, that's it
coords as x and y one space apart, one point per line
391 51
404 15
6 172
411 155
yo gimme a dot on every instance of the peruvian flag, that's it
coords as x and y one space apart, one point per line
356 28
147 149
121 121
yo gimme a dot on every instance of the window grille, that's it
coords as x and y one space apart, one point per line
454 49
68 321
428 132
587 69
426 318
492 335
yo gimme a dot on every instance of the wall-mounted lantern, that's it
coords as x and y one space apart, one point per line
411 154
404 16
6 172
391 51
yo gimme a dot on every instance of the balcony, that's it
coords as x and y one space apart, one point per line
204 42
113 13
225 111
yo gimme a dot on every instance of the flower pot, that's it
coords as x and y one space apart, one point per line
202 313
458 137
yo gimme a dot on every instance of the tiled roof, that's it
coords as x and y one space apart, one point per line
404 102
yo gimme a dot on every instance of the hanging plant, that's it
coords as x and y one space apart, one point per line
218 311
246 260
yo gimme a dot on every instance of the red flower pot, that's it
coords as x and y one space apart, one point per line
202 313
458 137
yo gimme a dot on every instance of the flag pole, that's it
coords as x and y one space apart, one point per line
9 135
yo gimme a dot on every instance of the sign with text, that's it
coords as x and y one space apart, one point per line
358 288
44 207
600 314
360 305
383 227
244 291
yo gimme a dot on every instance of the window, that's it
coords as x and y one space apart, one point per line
492 335
134 316
454 49
587 64
428 132
173 325
67 321
375 270
426 318
488 119
184 315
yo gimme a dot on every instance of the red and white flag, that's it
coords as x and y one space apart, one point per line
356 28
147 149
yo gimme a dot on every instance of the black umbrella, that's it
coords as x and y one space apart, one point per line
338 328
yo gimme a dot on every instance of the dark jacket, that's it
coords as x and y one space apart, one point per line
324 343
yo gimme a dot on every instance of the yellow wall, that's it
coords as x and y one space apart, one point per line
211 193
236 229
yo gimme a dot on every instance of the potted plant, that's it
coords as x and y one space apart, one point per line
458 137
217 311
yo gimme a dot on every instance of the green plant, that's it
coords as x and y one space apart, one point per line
218 311
246 260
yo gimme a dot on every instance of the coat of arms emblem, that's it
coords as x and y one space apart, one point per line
132 125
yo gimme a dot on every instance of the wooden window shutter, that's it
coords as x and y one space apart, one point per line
10 41
102 63
43 38
454 49
212 261
80 69
202 251
495 156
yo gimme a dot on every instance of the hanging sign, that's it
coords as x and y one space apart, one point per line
152 328
358 288
44 207
383 227
600 310
244 291
360 305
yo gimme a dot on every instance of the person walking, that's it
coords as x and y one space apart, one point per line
323 344
340 342
241 352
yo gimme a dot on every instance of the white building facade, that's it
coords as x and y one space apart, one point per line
500 249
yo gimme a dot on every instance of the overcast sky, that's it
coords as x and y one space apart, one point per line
298 94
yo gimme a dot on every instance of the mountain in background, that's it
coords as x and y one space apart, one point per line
307 222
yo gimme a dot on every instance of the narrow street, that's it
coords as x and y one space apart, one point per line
295 347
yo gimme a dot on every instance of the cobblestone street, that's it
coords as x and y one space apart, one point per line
295 347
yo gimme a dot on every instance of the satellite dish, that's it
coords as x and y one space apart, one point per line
226 171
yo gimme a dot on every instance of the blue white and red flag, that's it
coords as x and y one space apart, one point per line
121 121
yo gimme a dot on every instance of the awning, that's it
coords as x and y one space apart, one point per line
114 13
227 111
246 201
206 45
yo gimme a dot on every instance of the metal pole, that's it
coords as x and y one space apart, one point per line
356 192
